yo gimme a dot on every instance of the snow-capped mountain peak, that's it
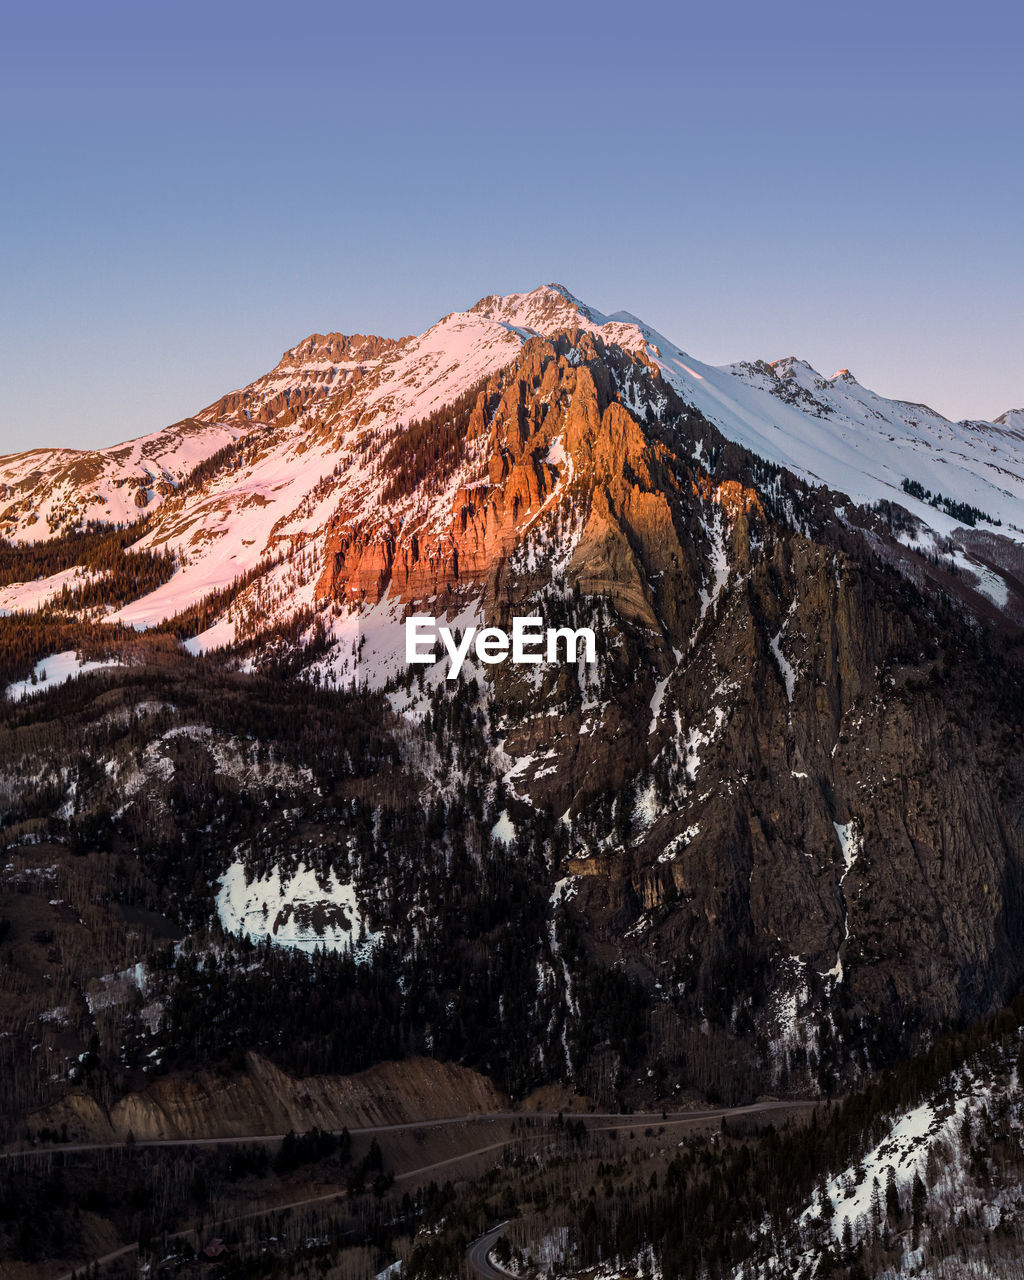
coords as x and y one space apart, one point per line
543 310
316 426
1013 419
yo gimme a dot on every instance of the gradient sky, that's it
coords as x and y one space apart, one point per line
189 189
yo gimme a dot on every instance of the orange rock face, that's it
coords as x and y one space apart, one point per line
419 558
481 526
730 495
547 430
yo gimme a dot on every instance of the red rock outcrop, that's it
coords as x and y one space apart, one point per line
624 489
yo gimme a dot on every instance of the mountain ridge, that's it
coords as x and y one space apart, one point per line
313 422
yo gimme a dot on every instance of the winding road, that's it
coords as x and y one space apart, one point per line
477 1253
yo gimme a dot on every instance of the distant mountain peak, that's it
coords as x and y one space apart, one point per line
339 348
787 366
555 287
545 309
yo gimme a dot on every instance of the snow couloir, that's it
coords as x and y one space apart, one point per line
529 642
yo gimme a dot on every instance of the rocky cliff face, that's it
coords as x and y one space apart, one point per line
324 369
264 1100
548 430
813 767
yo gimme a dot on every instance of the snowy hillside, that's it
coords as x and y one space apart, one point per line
936 1183
45 491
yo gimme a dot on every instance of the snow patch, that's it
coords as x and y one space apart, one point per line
504 829
294 911
54 671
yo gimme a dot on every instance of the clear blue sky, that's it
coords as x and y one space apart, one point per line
188 189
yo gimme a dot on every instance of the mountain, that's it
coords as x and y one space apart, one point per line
770 842
310 437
